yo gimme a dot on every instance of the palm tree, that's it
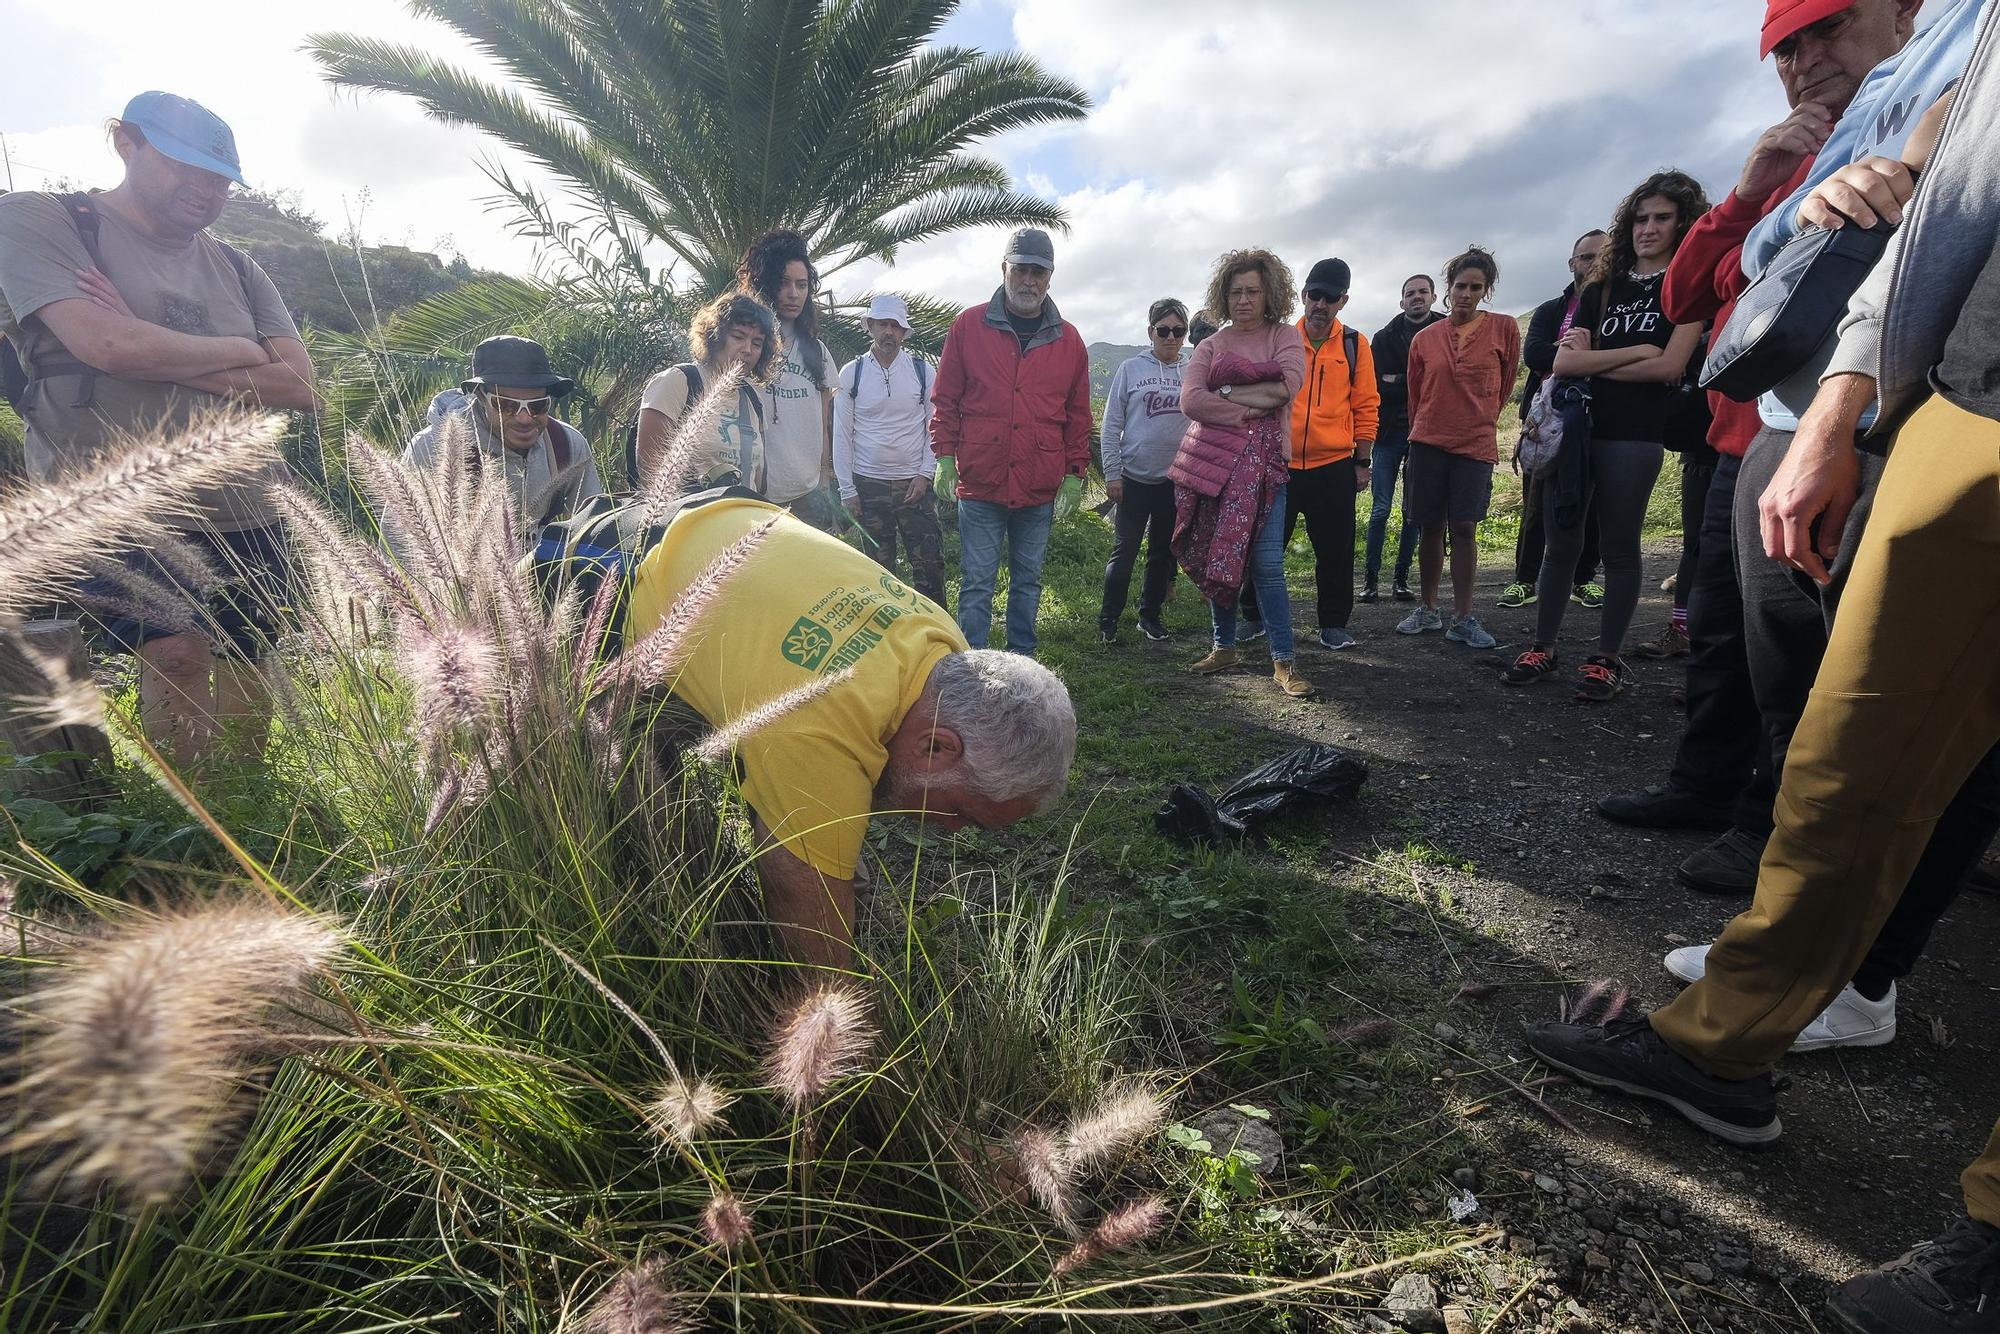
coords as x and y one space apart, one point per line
700 124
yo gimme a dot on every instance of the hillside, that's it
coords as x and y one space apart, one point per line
1105 358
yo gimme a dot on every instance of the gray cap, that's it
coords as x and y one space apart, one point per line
1031 245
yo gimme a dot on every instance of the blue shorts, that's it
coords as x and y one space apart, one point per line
248 609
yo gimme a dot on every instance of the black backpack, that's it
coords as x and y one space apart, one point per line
16 384
692 374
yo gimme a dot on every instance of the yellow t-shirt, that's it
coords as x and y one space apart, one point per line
805 605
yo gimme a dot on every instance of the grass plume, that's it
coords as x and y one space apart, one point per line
685 1110
638 1301
1120 1230
824 1038
1123 1117
651 660
720 744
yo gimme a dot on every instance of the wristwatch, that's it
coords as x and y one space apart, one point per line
1224 391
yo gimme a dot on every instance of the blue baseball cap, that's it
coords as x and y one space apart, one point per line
188 132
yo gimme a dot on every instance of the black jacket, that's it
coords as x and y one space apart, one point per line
1392 372
1538 346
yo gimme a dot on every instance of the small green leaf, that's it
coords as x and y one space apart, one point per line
1250 1109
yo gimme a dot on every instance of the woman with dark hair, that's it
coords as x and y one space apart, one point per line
733 334
1634 358
1231 470
1142 431
798 401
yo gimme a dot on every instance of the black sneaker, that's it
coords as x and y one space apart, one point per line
1402 591
1629 1056
1665 808
1726 866
1600 680
1247 631
1107 634
1530 667
1368 595
1947 1286
1150 627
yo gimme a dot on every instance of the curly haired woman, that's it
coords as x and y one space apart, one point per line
733 332
1231 470
1634 358
798 402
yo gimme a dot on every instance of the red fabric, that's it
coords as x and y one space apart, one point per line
1457 392
1782 18
1226 485
1702 284
1016 424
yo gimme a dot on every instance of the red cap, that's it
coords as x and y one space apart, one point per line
1782 18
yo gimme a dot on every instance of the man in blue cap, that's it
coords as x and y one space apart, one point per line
121 313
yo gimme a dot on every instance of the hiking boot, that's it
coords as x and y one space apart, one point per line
1369 595
1420 620
1849 1020
1401 591
1665 808
1107 633
1530 667
1335 638
1629 1056
1291 681
1150 627
1218 660
1468 631
1588 595
1947 1286
1248 630
1600 680
1726 866
1518 594
1671 643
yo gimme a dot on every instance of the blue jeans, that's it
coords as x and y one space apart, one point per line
1390 451
982 527
1267 576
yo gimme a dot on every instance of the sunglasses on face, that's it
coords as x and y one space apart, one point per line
1170 331
509 407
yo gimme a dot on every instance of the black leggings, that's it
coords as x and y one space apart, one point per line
1622 473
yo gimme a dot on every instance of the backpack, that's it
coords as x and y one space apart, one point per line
692 374
1561 411
16 384
923 378
1350 343
605 539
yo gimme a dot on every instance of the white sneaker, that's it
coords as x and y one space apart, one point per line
1420 619
1852 1020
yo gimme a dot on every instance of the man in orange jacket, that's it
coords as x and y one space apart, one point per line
1333 434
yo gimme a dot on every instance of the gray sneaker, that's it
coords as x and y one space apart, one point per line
1469 632
1421 619
1335 638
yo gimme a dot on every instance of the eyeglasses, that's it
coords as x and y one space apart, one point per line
510 407
1170 331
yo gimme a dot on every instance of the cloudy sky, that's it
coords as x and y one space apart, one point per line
1389 134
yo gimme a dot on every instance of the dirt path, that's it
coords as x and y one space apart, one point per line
1504 779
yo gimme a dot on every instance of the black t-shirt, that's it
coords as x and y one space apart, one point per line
1970 372
1630 316
1025 327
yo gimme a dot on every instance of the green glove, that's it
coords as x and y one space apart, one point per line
946 484
1068 496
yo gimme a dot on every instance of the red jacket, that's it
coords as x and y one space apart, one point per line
1017 423
1702 284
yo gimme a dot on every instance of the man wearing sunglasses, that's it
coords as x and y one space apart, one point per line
503 415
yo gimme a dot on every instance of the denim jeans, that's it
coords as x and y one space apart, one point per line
982 527
1267 573
1387 459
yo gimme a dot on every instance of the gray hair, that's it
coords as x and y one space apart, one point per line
1013 716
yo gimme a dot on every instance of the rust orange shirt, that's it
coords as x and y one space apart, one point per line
1459 386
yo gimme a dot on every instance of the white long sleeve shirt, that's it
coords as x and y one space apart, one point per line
881 422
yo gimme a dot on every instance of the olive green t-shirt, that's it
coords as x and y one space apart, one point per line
193 288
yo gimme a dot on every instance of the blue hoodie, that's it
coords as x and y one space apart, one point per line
1878 123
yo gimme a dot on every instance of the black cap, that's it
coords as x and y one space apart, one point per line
520 363
1330 277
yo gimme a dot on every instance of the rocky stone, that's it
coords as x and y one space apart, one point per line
1731 1260
1547 1184
1698 1272
1458 1320
1229 1130
1445 1032
1601 1219
1413 1304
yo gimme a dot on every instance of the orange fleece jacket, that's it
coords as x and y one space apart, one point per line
1329 415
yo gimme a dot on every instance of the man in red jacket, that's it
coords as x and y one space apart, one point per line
1721 778
1011 429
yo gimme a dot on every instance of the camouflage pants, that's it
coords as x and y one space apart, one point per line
816 508
884 513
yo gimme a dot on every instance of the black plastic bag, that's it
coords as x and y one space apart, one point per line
1306 777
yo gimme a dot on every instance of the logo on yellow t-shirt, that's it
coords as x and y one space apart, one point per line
808 644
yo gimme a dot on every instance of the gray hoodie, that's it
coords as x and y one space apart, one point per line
1933 302
545 489
1143 424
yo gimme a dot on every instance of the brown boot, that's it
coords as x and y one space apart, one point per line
1292 681
1218 660
1672 643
